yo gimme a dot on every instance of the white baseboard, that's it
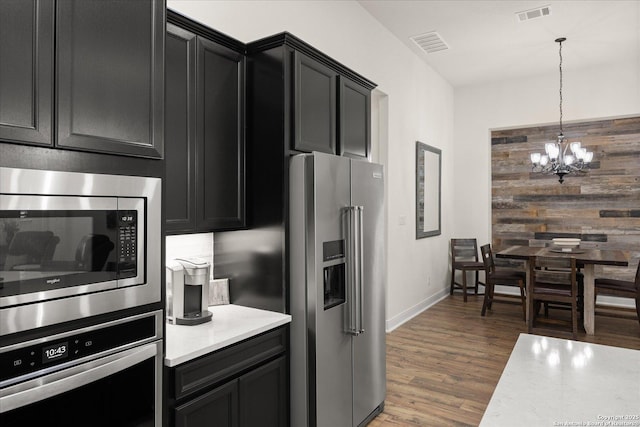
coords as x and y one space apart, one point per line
412 312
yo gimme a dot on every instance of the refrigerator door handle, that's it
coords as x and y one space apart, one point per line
353 272
355 244
360 266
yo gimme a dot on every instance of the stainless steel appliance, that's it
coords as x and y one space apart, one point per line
75 245
188 291
337 291
101 375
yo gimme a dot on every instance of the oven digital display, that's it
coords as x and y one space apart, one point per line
55 352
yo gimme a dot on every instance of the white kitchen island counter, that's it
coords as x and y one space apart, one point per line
558 382
229 324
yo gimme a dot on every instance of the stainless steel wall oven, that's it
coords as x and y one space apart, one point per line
75 245
77 250
103 375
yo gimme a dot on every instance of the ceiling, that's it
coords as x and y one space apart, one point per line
488 43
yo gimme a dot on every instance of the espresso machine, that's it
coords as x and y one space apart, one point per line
188 291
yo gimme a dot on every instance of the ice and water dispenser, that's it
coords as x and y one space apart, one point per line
333 253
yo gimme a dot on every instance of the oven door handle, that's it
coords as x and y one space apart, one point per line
59 382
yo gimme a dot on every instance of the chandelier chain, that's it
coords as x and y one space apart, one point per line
560 54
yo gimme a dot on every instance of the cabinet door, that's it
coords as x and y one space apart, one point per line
180 126
355 120
110 75
26 70
218 407
263 395
315 106
220 137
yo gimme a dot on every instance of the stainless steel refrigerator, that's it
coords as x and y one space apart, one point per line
337 292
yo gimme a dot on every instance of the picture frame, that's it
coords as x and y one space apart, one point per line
428 187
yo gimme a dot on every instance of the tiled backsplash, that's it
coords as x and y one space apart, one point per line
191 245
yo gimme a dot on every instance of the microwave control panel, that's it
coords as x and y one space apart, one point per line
128 238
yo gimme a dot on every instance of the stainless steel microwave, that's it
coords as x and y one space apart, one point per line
74 245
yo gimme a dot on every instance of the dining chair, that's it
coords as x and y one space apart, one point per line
501 277
464 257
580 284
552 280
620 288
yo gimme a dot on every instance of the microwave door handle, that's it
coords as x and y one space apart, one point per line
351 306
59 382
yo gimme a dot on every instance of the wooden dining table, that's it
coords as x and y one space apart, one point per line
586 259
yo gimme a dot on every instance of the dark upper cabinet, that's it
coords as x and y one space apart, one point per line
315 105
322 105
26 71
293 106
180 125
355 120
220 137
110 76
205 148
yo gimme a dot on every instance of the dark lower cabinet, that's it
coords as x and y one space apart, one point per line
256 399
261 393
26 71
205 139
219 408
243 385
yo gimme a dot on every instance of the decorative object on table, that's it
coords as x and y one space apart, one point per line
501 277
565 244
556 160
552 280
620 288
428 165
464 257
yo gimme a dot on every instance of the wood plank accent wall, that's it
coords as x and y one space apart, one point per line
602 206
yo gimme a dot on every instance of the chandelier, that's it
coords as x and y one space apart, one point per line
557 160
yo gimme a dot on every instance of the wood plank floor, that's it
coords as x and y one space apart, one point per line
443 365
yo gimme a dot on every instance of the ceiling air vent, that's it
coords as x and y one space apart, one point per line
430 42
538 12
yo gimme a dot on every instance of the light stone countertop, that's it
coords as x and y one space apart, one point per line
556 382
229 324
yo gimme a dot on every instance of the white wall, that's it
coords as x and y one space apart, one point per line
588 94
419 105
